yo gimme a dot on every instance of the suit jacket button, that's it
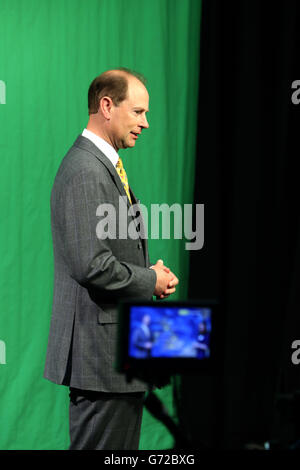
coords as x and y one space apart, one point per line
139 246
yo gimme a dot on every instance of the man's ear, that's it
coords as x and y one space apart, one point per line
105 106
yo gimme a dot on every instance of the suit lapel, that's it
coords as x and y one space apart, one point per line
85 144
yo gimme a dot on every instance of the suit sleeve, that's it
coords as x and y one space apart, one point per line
91 261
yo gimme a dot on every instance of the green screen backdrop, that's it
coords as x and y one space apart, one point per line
50 50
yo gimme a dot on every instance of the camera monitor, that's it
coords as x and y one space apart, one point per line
175 336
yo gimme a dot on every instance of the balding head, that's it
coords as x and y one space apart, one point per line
112 83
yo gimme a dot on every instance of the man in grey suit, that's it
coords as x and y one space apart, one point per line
93 270
143 338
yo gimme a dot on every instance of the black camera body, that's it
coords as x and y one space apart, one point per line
162 338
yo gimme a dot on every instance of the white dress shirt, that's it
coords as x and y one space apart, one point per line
102 145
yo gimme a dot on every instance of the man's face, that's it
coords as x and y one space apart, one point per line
128 119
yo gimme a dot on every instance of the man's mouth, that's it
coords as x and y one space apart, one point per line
134 134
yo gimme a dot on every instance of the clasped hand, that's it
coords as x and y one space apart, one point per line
165 280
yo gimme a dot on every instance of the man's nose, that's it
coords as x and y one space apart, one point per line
144 122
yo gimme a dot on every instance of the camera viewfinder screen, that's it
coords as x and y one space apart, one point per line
169 332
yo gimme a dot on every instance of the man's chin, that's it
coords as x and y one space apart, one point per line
130 144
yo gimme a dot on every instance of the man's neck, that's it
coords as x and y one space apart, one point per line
95 130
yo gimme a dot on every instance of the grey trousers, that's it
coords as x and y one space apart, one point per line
105 421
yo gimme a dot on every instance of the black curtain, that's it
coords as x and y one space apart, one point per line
247 178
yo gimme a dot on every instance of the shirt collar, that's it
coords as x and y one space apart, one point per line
102 145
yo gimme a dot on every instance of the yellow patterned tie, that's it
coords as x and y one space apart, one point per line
122 173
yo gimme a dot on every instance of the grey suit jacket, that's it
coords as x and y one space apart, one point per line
90 274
